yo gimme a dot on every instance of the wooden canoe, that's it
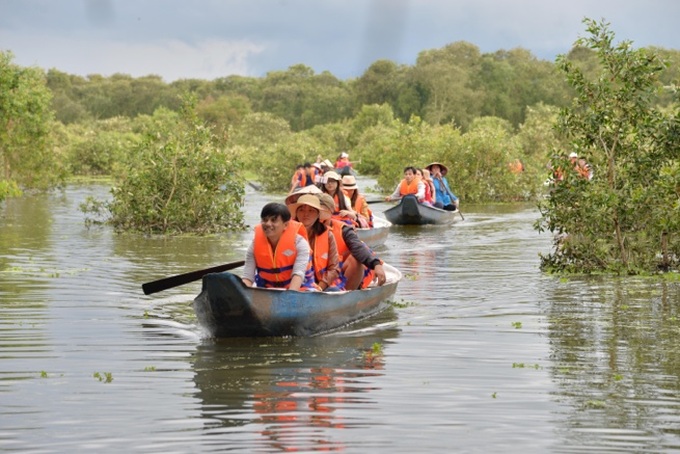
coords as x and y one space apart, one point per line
409 212
347 170
227 308
375 236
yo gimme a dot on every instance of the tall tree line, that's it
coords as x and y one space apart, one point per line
451 85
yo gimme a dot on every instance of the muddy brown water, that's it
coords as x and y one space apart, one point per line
480 353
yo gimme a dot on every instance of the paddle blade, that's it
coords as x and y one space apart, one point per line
181 279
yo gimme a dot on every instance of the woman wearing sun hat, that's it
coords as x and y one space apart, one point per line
358 201
444 197
343 206
324 250
358 263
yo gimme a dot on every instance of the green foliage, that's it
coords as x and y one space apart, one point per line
26 156
627 218
276 164
96 148
478 160
9 188
224 111
254 135
305 99
105 377
177 181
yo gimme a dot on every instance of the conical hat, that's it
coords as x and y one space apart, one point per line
445 169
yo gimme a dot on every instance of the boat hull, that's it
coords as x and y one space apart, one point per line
227 308
377 235
410 212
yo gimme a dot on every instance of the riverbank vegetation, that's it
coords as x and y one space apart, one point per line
178 152
625 217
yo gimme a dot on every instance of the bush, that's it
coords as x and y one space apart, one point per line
177 181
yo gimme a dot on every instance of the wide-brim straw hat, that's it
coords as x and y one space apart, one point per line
305 199
349 182
445 169
295 195
326 201
332 176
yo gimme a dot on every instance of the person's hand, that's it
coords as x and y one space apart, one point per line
379 274
348 214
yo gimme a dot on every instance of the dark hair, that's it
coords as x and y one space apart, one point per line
411 168
355 196
307 165
275 210
318 228
339 193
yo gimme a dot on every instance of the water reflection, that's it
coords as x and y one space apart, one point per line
290 392
616 361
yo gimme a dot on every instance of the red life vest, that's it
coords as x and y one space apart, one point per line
274 269
428 192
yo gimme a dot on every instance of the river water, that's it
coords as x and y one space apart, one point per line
480 353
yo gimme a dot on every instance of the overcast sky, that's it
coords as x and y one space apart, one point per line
207 39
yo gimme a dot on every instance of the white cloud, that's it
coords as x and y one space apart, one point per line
172 59
210 39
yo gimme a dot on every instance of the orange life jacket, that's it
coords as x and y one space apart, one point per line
361 207
298 179
408 188
343 251
274 269
320 255
336 214
369 274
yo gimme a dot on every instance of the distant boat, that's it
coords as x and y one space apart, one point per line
347 170
376 235
409 212
226 307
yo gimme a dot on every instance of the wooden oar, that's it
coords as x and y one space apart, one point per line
181 279
374 201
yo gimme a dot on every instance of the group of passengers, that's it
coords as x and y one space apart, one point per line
312 173
309 242
428 185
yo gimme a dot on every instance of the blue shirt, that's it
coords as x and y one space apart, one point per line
443 193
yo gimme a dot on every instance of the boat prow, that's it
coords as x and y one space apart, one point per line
409 212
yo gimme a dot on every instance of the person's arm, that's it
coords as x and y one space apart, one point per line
248 276
379 273
358 248
420 191
301 260
396 194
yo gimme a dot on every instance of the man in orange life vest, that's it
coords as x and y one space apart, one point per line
409 185
279 255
